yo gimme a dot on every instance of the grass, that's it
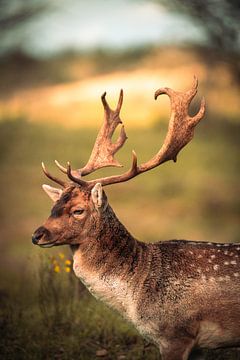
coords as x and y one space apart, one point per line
62 321
48 314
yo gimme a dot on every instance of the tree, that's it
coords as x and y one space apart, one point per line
219 19
15 15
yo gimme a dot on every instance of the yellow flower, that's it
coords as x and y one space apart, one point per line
57 268
68 262
61 255
67 269
55 262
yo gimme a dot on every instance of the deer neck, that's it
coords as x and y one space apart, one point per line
109 262
108 243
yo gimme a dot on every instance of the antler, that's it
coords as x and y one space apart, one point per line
180 132
53 178
104 149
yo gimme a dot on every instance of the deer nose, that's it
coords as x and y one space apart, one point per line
38 234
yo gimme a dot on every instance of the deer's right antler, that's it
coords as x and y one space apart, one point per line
180 132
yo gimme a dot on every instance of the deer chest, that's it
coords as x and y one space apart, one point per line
109 289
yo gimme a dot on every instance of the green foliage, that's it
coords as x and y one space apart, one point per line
60 320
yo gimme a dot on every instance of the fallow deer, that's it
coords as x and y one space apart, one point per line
180 294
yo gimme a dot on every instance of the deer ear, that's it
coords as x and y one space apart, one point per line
97 195
52 192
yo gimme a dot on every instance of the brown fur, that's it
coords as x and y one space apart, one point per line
180 294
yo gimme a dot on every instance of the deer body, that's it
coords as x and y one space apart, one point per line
152 285
180 294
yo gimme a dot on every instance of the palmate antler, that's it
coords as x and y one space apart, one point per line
104 150
180 132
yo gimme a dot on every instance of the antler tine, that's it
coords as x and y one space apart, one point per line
120 101
180 132
106 105
74 178
196 118
162 91
104 102
61 168
133 171
192 92
53 178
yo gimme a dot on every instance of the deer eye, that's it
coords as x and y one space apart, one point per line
78 212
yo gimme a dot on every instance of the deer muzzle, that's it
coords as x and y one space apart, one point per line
42 237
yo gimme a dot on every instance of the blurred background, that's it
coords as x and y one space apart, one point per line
56 59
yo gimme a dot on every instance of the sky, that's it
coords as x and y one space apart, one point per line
81 25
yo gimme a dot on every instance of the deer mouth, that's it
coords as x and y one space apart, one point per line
47 245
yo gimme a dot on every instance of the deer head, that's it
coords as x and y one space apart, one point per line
81 206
